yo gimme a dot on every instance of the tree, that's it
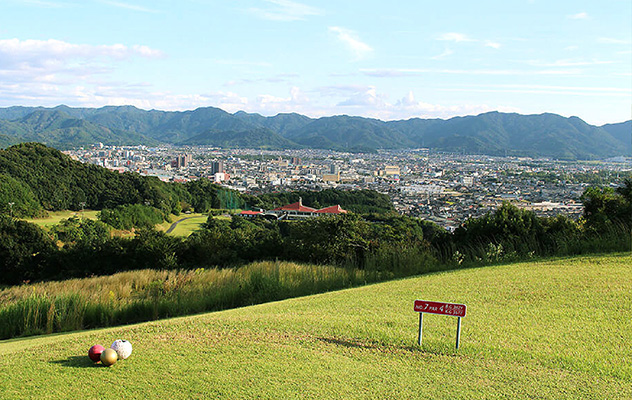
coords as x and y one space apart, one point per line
23 249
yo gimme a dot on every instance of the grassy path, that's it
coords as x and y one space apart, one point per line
175 224
559 329
183 226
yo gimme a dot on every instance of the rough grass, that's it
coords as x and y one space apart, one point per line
54 217
556 329
144 295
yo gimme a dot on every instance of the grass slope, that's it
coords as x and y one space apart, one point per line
55 217
186 224
555 329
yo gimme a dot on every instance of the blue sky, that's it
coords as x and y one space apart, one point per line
388 60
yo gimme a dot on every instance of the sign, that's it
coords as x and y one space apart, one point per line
435 307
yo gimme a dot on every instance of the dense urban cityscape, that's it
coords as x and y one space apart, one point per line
445 188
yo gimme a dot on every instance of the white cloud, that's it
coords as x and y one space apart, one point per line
112 93
243 63
128 6
495 45
455 37
463 38
407 72
371 103
547 89
358 48
34 50
285 10
446 53
356 100
49 69
581 15
569 63
368 97
606 40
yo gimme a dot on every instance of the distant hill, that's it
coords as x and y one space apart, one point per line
280 123
622 132
494 133
58 128
344 133
544 135
260 138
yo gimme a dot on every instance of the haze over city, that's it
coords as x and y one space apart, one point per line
366 58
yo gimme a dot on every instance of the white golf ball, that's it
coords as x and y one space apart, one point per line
123 348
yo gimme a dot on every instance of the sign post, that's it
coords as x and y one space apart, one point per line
435 307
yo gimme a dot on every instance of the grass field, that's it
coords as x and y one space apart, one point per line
555 329
189 223
54 217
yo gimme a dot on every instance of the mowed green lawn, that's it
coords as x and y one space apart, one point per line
54 217
556 329
186 224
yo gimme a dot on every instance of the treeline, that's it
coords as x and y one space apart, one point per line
56 182
357 201
390 244
35 178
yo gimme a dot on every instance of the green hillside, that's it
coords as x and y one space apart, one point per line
253 139
343 132
556 329
494 133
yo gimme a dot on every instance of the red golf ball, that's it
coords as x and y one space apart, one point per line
95 352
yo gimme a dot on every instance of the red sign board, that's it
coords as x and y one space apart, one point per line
435 307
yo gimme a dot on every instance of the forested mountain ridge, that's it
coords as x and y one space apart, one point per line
493 133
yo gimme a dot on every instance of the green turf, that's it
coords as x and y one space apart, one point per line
556 329
54 217
186 224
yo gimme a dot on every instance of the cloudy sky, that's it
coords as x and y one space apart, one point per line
383 59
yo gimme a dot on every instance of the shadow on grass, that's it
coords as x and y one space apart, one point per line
438 351
349 343
77 362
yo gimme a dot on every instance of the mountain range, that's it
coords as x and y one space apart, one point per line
492 133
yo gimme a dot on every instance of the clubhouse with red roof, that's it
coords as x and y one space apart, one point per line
295 211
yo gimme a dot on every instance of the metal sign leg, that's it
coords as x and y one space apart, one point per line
458 332
421 322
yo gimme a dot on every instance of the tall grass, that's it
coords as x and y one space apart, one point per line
144 295
615 237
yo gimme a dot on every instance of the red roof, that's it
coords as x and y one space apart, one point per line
298 206
332 210
247 212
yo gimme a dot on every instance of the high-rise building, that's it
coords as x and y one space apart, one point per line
217 167
182 161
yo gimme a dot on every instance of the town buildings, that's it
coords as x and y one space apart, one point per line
441 187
